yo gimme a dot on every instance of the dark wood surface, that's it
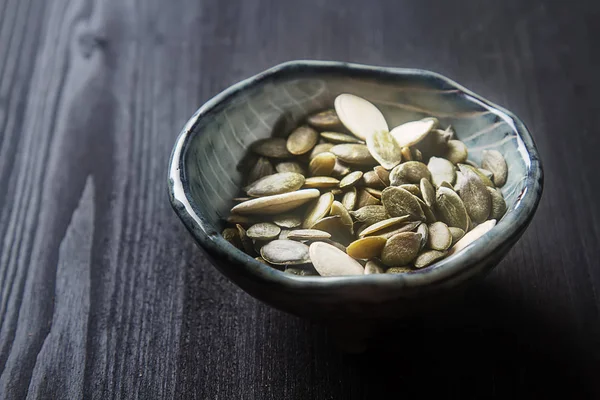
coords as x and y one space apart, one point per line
102 292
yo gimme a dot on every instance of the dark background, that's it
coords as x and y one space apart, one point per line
103 293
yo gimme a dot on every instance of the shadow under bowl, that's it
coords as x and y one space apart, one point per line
204 176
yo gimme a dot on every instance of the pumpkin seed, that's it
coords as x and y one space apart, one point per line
285 252
370 214
394 230
366 247
276 204
474 195
349 199
473 235
373 192
456 233
271 147
373 267
398 270
434 144
359 116
282 182
260 169
424 231
446 184
486 181
386 223
429 257
340 169
399 202
384 149
320 148
441 170
246 241
366 199
308 234
232 236
322 164
327 119
409 172
263 231
440 237
383 174
321 182
371 179
498 204
413 132
354 154
331 261
319 210
493 161
290 166
287 221
284 234
430 217
336 137
456 152
428 192
351 179
412 188
302 140
406 154
338 209
450 209
401 249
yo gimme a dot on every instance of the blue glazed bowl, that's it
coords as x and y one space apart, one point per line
204 177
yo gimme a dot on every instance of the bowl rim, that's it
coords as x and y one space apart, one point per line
512 224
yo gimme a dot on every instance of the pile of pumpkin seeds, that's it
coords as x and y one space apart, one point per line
346 195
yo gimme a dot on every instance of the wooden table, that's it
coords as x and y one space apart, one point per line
104 295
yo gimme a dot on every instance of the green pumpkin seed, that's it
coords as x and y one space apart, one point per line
386 223
277 203
308 234
338 209
321 182
263 231
320 148
394 230
370 214
290 166
371 179
441 170
302 140
373 267
413 132
246 241
428 192
412 188
450 209
285 252
493 161
456 233
232 236
429 257
260 169
338 138
354 154
498 204
366 199
473 235
430 217
287 221
486 181
440 237
279 183
366 247
271 147
327 119
319 210
384 149
399 270
359 116
351 179
399 202
383 174
322 164
474 195
401 249
331 261
456 152
424 231
373 192
409 172
349 199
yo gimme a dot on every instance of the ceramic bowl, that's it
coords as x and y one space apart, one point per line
204 176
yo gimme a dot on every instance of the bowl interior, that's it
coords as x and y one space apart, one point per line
273 103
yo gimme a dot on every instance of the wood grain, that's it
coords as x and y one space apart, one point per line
102 292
